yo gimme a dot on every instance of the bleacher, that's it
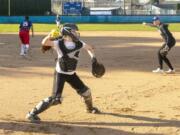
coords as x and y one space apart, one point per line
122 7
103 3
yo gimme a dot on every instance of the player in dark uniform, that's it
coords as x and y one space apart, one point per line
169 42
24 28
68 49
58 21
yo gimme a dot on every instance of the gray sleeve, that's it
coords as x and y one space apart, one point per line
151 25
83 43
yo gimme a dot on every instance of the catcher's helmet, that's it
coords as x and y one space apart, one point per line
69 29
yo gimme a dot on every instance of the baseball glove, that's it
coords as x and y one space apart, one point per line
54 34
98 69
45 48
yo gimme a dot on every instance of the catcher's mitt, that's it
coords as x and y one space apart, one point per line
45 48
98 69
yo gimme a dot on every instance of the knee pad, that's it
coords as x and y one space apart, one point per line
87 93
82 90
164 51
87 98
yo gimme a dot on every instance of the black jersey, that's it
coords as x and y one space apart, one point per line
165 33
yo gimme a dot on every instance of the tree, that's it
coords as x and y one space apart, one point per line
155 2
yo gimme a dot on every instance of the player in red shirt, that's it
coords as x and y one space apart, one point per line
24 29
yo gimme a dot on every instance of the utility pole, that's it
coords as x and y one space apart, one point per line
131 7
9 7
124 7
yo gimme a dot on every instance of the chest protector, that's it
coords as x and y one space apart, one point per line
66 63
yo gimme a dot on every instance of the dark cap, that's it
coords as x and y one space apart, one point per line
155 18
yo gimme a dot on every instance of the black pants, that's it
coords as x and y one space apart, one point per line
55 98
73 80
163 52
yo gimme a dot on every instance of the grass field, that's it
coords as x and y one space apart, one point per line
90 27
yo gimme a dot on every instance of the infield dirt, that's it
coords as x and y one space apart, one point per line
133 100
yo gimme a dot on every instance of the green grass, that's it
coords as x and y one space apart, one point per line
89 27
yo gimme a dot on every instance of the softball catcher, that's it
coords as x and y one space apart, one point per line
68 48
169 42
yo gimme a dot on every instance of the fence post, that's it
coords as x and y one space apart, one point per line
9 7
124 7
178 8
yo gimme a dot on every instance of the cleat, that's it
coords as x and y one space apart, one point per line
22 54
33 118
94 110
170 71
158 70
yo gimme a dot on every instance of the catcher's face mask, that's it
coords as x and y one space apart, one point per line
74 34
71 30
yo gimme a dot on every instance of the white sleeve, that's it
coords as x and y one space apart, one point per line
89 52
56 44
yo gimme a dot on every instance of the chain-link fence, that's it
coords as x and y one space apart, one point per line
89 7
122 7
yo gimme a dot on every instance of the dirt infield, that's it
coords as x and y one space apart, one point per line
133 101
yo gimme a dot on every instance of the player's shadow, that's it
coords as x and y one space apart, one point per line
89 128
151 122
60 129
